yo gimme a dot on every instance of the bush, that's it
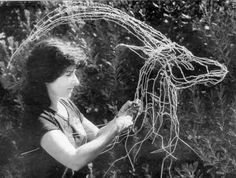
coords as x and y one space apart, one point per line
206 113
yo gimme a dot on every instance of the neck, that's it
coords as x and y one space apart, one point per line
59 108
54 102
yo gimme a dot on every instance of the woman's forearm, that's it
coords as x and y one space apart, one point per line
106 128
89 151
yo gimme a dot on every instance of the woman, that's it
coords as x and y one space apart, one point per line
61 141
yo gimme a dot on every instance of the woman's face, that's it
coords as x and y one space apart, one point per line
63 85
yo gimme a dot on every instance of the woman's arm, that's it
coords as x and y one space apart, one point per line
93 131
90 129
59 147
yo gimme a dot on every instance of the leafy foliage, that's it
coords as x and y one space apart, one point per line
211 117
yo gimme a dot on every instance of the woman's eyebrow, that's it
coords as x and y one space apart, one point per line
70 70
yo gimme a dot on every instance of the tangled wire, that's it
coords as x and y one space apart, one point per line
168 68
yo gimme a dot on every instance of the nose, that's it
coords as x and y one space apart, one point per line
75 80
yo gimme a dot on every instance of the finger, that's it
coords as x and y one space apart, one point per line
129 121
128 118
129 101
127 125
125 107
138 105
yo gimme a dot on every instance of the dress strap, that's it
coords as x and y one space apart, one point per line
69 104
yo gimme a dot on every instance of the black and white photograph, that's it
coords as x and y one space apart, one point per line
118 89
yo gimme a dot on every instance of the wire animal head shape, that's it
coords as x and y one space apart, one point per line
168 67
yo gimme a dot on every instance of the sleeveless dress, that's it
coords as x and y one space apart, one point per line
37 162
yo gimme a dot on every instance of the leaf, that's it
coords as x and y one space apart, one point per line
220 173
2 35
195 165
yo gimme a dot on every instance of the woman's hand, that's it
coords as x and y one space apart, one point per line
132 108
128 111
123 122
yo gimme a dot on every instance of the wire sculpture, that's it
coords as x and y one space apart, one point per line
168 68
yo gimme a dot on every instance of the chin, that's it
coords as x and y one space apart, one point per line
66 96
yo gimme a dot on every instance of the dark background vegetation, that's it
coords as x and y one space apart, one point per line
206 113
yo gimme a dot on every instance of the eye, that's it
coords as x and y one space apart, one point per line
68 74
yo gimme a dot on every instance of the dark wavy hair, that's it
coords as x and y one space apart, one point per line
47 61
